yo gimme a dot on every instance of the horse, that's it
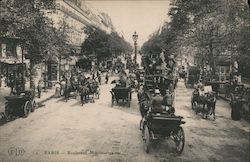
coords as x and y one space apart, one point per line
207 101
211 102
84 91
93 89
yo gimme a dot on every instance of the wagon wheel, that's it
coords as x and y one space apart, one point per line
146 139
7 111
33 106
26 108
179 140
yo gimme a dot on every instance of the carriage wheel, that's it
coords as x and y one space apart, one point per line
7 111
146 138
26 108
33 106
180 140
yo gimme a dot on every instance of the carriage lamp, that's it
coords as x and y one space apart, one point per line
135 38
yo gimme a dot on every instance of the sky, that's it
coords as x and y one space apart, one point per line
144 17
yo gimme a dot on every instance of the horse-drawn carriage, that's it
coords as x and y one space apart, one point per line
89 91
203 101
121 94
158 114
20 104
158 126
70 90
193 76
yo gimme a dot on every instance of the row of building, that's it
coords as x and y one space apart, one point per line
76 14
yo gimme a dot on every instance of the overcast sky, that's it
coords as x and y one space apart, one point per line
144 17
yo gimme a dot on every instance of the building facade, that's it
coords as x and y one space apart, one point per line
74 15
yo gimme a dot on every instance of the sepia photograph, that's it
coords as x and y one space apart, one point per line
124 81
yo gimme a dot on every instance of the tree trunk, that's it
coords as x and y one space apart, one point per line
211 57
32 73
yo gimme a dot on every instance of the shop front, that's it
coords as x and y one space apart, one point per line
12 62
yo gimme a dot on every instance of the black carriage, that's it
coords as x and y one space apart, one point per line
70 90
20 104
158 118
193 76
158 126
121 94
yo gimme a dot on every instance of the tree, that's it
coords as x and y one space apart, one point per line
25 19
103 45
207 28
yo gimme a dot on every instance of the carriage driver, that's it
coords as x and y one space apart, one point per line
168 102
122 81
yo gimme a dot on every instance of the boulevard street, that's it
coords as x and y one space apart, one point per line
67 131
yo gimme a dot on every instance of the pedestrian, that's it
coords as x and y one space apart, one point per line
11 83
63 87
39 88
58 89
99 79
107 78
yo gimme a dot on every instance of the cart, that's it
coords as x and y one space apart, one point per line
193 76
20 104
121 94
158 126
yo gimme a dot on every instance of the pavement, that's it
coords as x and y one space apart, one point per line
95 132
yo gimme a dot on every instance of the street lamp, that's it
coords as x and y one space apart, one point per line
135 38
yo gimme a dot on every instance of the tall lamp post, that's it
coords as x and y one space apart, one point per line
135 38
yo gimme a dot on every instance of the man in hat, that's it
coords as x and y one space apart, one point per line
157 101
